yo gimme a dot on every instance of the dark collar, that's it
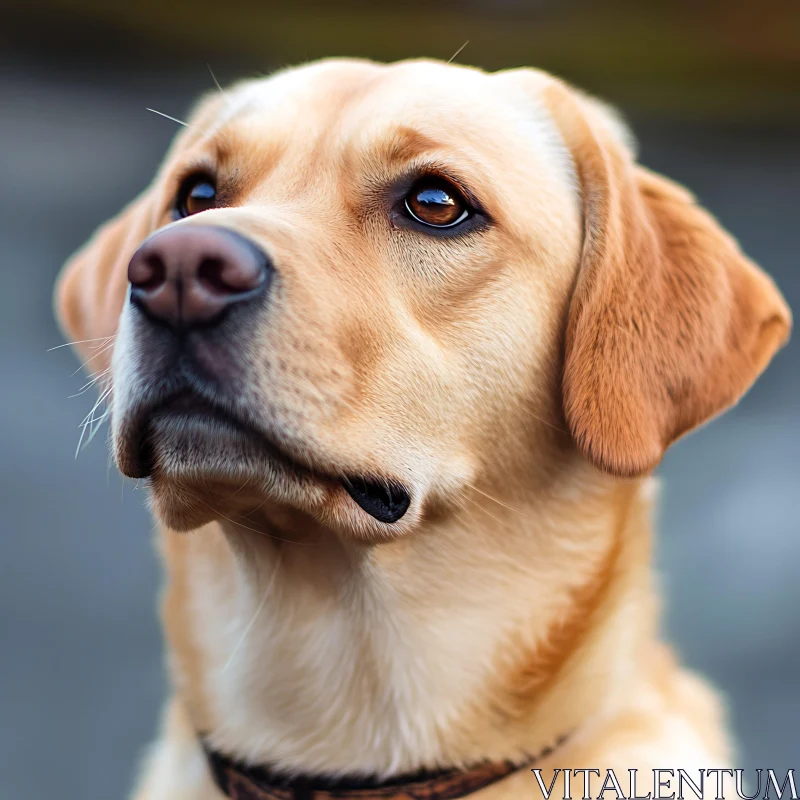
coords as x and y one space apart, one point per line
241 782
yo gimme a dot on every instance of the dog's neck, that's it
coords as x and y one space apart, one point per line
488 635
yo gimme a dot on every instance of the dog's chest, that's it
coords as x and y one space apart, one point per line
326 675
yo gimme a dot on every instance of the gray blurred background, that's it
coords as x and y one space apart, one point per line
713 92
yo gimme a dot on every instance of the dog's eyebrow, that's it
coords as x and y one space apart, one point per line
405 144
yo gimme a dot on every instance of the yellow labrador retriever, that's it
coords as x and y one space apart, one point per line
397 348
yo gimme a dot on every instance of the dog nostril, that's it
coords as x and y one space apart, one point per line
210 274
147 273
223 276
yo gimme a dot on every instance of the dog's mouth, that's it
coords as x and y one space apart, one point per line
188 434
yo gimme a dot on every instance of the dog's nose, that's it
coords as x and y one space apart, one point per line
188 275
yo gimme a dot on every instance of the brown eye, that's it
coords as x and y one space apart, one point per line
196 194
437 203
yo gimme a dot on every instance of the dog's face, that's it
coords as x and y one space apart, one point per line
356 290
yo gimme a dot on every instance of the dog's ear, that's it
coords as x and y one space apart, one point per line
669 323
92 285
91 288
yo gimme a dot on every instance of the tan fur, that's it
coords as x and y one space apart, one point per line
669 322
522 381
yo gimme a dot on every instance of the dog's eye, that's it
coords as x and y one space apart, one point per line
197 193
436 202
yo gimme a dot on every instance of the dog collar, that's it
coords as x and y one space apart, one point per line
241 782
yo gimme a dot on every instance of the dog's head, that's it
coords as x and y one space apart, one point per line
355 290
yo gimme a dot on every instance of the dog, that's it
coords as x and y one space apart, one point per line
397 349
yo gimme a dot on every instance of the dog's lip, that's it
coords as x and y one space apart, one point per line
141 435
386 500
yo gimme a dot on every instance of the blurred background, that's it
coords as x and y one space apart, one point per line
712 91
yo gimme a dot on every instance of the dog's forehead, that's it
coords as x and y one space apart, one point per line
336 85
307 92
359 101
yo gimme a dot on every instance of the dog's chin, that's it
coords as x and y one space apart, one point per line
204 466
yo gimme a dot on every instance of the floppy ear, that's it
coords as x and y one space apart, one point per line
91 288
669 322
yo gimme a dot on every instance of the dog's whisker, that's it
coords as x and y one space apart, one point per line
96 405
549 424
80 441
98 423
254 530
91 382
79 341
103 395
216 83
108 340
255 616
73 374
83 389
95 376
457 53
91 423
105 349
258 507
167 116
246 482
489 513
495 500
